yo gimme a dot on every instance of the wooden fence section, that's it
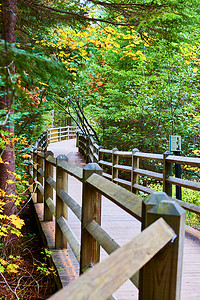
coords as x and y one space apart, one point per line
156 252
61 133
110 160
52 135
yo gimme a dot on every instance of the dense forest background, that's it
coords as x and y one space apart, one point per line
133 67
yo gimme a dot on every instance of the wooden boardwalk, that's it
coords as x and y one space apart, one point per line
122 227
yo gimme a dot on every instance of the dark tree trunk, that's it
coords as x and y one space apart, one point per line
9 18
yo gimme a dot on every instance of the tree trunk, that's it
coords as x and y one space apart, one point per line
9 18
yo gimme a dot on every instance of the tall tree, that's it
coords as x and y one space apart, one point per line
9 20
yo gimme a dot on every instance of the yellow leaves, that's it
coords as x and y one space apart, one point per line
8 266
1 160
2 193
10 181
26 156
16 221
12 268
195 70
196 152
42 83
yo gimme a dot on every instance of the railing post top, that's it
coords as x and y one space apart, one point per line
47 153
92 167
162 204
61 157
167 153
100 147
156 198
135 150
114 150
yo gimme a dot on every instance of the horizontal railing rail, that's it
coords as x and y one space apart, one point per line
112 163
156 241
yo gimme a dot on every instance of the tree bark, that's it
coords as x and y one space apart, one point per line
9 19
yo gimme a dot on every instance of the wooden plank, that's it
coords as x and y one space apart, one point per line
123 198
123 167
41 172
41 190
184 183
51 206
106 277
71 203
188 206
107 243
161 277
105 163
108 176
115 161
157 157
143 189
124 153
151 174
72 170
192 161
70 237
135 164
91 209
40 167
61 207
51 182
96 156
106 151
122 181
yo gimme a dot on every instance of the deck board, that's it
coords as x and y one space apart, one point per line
122 227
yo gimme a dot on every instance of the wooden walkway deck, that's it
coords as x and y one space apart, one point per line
122 227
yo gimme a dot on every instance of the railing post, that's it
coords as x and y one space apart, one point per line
48 190
100 154
134 176
35 173
160 278
61 208
39 176
48 142
115 160
167 171
77 140
87 152
91 210
68 133
59 134
95 151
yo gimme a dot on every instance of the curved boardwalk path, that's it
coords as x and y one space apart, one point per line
123 227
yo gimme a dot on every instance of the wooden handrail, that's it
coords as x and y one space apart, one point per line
109 275
135 172
152 239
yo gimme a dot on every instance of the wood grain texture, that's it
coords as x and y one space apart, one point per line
70 237
101 281
123 198
161 277
91 209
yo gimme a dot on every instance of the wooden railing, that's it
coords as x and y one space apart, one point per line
157 252
61 133
109 160
52 135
